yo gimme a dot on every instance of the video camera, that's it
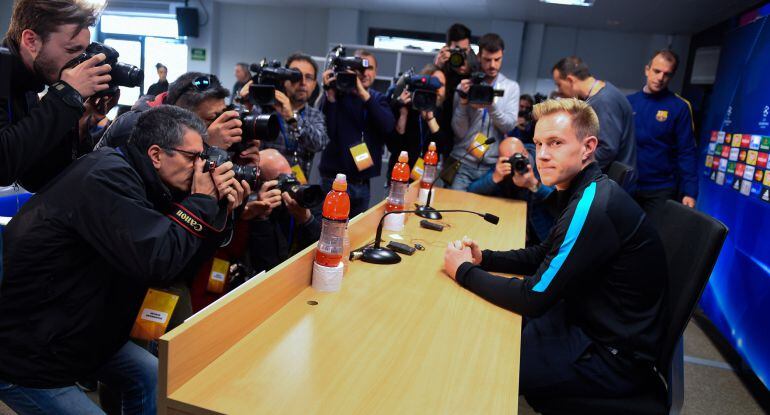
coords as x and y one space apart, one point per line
422 87
215 156
341 65
519 162
122 74
269 77
305 195
480 93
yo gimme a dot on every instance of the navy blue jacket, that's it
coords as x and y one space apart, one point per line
603 258
666 153
346 118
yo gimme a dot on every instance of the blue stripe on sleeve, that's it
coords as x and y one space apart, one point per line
575 226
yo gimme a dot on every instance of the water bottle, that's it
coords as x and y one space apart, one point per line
336 209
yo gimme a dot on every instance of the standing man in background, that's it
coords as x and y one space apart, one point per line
162 85
665 139
473 124
616 120
242 75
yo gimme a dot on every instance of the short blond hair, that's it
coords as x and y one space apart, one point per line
584 119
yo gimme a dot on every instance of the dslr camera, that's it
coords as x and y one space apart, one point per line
122 74
255 126
215 156
519 163
269 77
457 57
422 87
341 65
306 195
480 93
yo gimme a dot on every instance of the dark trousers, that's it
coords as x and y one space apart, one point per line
653 201
358 191
559 360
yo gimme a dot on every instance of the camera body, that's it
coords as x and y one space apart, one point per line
305 195
519 163
215 156
122 74
422 87
480 93
269 76
457 57
341 65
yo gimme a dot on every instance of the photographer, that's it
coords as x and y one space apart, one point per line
474 123
303 127
416 129
287 228
458 42
525 126
357 123
82 252
200 93
40 137
518 179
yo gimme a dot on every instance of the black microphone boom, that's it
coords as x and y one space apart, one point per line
379 255
428 212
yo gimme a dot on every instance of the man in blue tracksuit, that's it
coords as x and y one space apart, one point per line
594 290
666 153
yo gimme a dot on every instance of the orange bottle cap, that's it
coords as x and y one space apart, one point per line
403 157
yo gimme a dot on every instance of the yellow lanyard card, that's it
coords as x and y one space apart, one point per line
477 147
299 174
154 315
218 276
418 170
361 156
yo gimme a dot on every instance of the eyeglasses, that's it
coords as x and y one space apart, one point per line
190 154
308 78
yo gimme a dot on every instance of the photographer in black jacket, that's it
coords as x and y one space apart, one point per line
39 138
82 252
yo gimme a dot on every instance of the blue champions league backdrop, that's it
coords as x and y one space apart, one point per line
735 188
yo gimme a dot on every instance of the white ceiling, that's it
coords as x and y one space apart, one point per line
650 16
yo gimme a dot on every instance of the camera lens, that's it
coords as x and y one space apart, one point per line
127 75
260 127
247 173
346 82
520 163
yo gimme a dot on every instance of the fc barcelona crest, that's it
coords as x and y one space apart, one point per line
661 116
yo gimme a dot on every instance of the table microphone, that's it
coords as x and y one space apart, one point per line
429 212
378 255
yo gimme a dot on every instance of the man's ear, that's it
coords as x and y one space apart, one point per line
154 154
589 148
31 42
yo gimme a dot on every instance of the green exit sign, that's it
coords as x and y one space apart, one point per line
198 54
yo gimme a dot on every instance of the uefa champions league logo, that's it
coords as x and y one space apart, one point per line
765 112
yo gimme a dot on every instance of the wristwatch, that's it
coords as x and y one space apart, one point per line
68 94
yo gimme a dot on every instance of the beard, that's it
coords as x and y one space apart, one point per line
45 68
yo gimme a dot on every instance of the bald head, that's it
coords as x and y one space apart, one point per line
510 146
272 164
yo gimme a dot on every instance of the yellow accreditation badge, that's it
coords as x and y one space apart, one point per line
299 174
418 170
218 276
477 148
361 156
154 315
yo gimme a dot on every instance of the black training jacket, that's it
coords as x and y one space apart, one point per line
79 257
602 257
38 138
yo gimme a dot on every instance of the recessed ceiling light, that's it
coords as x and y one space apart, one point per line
586 3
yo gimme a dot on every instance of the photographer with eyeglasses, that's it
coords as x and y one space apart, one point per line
83 251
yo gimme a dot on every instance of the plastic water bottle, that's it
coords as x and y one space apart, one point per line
399 183
336 209
431 169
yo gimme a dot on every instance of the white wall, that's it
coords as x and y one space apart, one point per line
249 33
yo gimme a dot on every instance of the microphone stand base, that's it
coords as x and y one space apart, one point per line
380 256
428 213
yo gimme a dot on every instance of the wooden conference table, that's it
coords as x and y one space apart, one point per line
396 339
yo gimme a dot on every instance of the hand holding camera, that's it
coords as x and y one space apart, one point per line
225 130
328 78
503 169
361 91
524 177
88 77
300 214
270 193
203 182
283 105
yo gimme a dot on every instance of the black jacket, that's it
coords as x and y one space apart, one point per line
603 258
38 138
410 141
78 258
275 239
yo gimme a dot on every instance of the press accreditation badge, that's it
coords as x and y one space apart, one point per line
418 170
154 315
299 174
361 156
477 148
218 276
